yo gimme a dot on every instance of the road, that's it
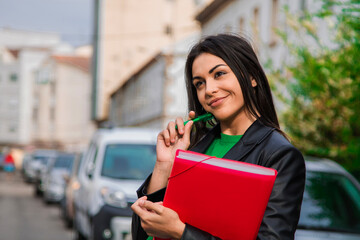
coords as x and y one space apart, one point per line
23 216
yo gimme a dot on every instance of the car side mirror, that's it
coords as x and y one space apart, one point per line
90 170
66 178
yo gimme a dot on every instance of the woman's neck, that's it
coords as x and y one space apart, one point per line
237 126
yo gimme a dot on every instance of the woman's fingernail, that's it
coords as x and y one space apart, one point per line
141 202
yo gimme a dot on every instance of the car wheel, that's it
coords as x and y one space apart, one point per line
68 222
79 236
92 232
38 193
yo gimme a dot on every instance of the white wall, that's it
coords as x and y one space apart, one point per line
18 39
29 61
157 94
9 103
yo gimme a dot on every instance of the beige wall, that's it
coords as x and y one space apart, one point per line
69 94
132 32
72 115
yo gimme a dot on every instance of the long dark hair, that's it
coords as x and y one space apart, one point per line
238 54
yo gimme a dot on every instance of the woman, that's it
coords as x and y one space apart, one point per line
9 163
224 77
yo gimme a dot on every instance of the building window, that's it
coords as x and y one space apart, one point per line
13 77
12 129
255 27
303 5
52 113
227 28
35 114
168 30
53 87
274 20
241 25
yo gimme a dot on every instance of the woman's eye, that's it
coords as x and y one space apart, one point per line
198 84
218 74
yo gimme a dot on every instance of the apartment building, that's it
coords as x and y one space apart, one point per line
156 94
61 113
128 34
21 52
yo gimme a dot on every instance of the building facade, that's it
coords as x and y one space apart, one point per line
61 111
156 94
128 34
21 52
45 92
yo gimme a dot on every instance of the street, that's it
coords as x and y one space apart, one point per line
24 216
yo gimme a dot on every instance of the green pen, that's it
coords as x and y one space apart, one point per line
205 117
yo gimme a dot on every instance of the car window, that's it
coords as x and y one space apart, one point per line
45 160
64 161
91 156
331 203
128 161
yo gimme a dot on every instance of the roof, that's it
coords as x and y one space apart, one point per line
211 9
126 135
80 62
323 165
139 70
14 52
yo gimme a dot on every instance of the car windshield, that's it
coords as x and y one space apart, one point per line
64 161
128 161
331 203
42 159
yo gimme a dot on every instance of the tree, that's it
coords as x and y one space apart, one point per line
322 113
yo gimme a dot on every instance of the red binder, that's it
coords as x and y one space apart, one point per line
223 197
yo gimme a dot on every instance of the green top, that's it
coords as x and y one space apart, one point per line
221 145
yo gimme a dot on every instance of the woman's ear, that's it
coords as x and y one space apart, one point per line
253 82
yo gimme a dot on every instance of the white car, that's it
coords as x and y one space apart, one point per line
331 205
53 182
115 165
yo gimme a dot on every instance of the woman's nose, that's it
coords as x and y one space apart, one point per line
211 87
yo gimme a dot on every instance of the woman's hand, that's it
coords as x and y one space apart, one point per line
172 139
157 220
168 141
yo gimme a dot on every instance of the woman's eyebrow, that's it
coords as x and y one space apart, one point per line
210 71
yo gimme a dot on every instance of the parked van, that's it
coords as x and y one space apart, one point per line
115 164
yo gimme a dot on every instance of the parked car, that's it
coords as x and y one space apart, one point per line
72 186
39 165
2 158
25 165
53 182
115 165
38 161
331 205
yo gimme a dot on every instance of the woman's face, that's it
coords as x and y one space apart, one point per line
217 87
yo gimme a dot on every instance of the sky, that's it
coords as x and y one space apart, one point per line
71 18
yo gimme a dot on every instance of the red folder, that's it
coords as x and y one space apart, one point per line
225 198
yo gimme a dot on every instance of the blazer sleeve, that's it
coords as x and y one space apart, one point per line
283 210
137 231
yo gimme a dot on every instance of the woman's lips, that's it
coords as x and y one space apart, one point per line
216 102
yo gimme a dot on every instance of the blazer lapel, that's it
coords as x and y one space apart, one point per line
205 142
255 134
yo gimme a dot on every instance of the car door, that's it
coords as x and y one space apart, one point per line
83 202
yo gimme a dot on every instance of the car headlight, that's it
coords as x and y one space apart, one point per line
113 197
75 185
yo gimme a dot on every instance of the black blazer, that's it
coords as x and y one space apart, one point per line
263 146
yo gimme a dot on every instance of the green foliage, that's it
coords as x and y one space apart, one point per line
322 79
